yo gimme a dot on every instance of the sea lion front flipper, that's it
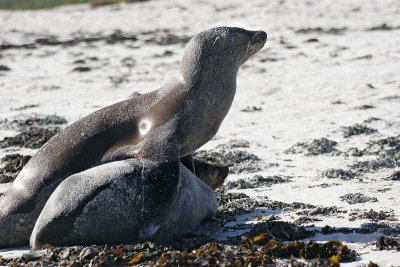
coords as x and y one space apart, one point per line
165 149
125 152
13 233
213 175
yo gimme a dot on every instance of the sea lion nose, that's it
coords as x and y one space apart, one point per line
260 36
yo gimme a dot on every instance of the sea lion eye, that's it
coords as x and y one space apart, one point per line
241 31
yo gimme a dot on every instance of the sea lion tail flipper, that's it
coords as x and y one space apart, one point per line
12 232
15 224
213 175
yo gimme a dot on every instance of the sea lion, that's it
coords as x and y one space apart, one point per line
161 126
124 201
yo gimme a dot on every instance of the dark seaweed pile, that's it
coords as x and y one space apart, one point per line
257 181
374 216
387 152
159 37
388 243
33 138
258 250
12 165
36 120
356 129
385 147
354 198
231 205
370 166
34 131
238 161
314 147
338 173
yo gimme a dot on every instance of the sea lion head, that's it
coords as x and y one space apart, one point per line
221 47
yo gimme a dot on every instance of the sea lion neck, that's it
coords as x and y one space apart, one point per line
208 76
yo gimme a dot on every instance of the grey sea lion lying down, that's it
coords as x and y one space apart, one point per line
124 201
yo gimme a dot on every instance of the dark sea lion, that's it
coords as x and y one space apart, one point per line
123 202
161 126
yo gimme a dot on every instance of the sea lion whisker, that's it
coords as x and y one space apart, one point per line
216 39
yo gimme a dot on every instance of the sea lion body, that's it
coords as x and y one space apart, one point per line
124 201
162 126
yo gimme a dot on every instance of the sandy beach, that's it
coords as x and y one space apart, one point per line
313 135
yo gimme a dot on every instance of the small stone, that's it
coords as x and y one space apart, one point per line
88 253
364 107
4 68
81 69
311 40
326 229
32 256
251 109
395 176
65 254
